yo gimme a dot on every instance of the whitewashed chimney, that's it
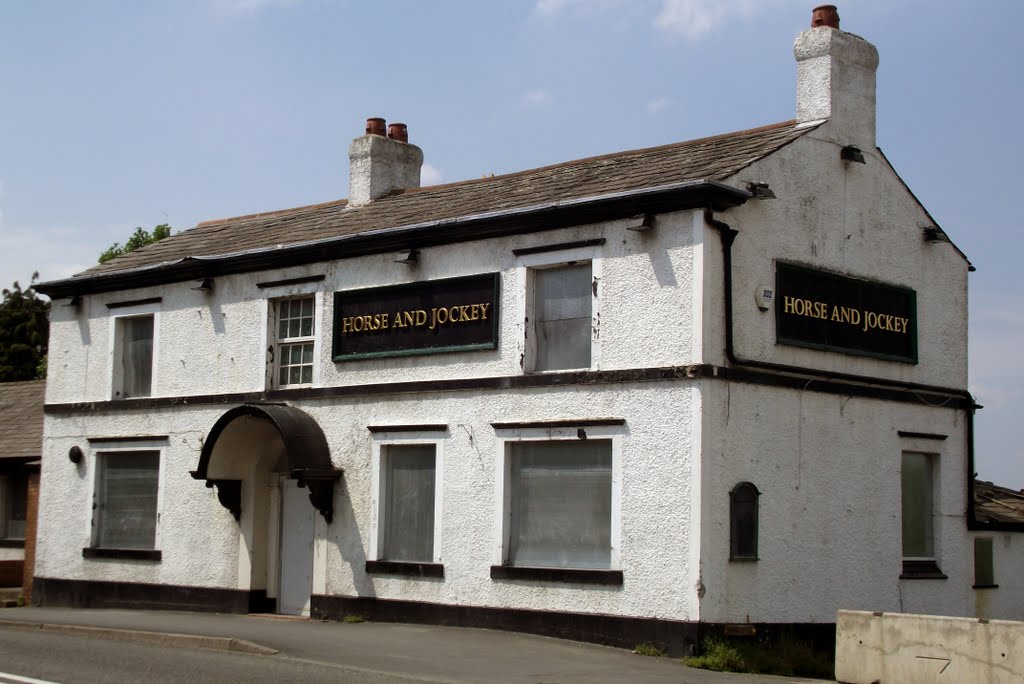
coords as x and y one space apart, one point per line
836 79
379 164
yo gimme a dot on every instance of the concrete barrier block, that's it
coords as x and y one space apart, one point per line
886 648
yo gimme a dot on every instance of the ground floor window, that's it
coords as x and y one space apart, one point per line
409 483
125 502
13 508
560 504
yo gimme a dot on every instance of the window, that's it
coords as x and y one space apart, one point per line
562 311
408 481
125 500
917 478
133 356
13 493
295 340
984 570
560 504
743 513
407 492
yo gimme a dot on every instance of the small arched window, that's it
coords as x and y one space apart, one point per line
743 522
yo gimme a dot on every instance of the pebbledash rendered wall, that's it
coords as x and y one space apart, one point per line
214 343
828 464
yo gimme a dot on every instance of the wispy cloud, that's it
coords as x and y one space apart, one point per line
657 104
430 175
694 18
251 6
535 98
555 6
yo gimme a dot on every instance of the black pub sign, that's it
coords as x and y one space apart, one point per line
822 310
429 317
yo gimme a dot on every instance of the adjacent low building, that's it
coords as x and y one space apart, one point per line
21 445
621 398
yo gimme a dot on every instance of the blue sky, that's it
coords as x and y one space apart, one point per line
124 113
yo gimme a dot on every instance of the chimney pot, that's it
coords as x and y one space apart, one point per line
399 132
825 15
375 126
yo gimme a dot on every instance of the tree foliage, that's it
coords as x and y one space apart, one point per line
140 238
24 333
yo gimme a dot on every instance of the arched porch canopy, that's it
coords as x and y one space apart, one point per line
305 447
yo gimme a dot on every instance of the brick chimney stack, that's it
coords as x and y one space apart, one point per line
379 164
836 79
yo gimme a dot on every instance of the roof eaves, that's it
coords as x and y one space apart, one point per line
709 191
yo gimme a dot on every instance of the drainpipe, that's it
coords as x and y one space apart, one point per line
728 235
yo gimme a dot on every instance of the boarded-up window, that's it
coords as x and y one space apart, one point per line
561 502
126 499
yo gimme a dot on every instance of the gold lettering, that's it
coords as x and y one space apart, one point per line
788 305
464 313
474 312
483 311
346 325
421 317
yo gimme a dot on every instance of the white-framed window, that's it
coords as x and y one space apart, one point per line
560 310
126 498
559 499
134 352
13 505
407 492
294 326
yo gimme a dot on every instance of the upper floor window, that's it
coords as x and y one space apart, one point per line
294 340
562 312
133 356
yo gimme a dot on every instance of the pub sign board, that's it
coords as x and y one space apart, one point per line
822 310
428 317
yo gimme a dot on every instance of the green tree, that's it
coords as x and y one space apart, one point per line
140 238
24 333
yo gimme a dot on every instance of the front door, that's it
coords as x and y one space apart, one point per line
296 550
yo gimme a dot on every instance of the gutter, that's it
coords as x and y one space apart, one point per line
728 235
517 221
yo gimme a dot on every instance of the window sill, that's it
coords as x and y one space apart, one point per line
743 559
985 586
921 569
571 575
12 543
127 554
405 568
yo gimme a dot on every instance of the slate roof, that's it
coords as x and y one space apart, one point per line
21 419
998 505
711 159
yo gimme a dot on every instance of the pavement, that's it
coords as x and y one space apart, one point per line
379 651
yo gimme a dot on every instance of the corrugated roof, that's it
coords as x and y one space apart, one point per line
21 419
995 504
714 158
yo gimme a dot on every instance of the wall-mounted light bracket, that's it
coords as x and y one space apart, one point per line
760 190
206 285
641 223
935 234
852 153
409 258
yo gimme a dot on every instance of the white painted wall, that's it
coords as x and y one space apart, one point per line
1007 601
828 469
215 343
847 218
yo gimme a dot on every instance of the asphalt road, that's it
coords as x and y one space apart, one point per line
80 645
74 659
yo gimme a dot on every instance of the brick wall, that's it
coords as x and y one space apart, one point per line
31 518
